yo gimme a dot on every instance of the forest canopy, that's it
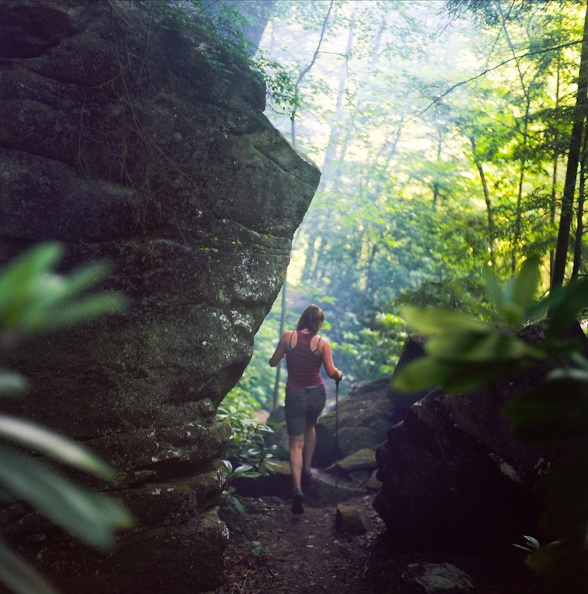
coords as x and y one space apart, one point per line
450 136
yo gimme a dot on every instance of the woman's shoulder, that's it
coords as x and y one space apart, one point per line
322 341
289 338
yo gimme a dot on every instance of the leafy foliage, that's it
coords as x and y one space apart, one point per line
247 455
441 145
464 353
34 299
222 26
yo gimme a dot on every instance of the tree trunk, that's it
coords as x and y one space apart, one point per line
304 72
553 195
580 211
489 211
276 396
523 162
567 204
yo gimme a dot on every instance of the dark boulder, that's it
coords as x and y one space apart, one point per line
366 414
453 476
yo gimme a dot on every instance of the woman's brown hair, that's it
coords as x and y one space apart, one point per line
311 319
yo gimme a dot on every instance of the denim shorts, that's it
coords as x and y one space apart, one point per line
303 407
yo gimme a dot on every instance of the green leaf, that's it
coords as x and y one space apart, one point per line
56 446
565 565
432 321
19 279
51 291
282 453
524 286
567 496
477 347
16 276
91 516
33 299
82 311
494 289
565 305
238 506
420 375
476 375
555 412
20 577
513 314
242 468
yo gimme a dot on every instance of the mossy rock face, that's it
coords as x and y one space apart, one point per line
364 419
163 163
364 459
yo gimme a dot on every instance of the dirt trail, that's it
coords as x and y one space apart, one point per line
281 553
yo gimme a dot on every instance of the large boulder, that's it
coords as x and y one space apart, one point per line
132 140
367 413
453 476
362 421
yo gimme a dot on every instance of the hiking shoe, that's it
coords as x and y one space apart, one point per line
305 477
297 500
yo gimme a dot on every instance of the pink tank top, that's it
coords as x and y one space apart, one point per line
303 364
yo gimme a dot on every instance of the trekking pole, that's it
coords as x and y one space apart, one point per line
336 433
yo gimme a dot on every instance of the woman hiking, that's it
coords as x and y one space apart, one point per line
305 353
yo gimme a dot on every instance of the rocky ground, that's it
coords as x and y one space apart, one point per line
275 551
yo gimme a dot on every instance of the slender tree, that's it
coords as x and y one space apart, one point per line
567 205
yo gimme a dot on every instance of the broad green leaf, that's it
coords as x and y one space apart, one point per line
20 577
524 287
513 314
273 466
47 293
423 374
494 289
85 278
567 494
242 468
579 360
469 376
282 453
565 565
555 412
476 347
432 321
16 277
53 291
564 308
19 279
51 444
247 474
91 516
82 311
33 299
238 506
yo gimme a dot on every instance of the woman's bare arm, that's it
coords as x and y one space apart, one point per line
280 351
327 356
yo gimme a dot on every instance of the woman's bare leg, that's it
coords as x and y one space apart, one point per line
308 448
296 447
